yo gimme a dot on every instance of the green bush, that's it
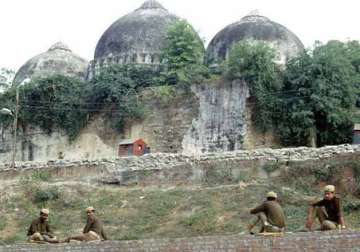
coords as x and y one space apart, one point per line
43 195
351 206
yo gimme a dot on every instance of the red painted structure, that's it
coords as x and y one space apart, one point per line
132 147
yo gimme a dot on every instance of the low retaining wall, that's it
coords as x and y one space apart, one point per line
160 168
337 241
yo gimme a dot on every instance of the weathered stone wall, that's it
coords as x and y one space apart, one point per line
348 241
167 119
255 138
96 141
210 118
158 169
220 125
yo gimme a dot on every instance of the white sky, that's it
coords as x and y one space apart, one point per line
30 27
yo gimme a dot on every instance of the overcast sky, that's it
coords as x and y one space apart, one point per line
30 27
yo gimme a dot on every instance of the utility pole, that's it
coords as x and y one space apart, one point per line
15 124
14 114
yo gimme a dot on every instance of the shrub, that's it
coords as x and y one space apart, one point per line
43 195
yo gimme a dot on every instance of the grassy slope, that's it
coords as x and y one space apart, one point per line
138 213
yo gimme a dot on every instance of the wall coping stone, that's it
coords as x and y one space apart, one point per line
160 161
313 241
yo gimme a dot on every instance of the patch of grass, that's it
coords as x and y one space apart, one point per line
295 216
40 176
271 167
356 169
201 222
216 176
142 213
350 204
16 238
3 223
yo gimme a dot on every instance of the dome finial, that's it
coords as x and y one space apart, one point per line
255 16
255 12
151 4
59 46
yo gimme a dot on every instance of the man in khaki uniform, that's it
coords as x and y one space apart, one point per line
270 215
39 230
93 230
328 211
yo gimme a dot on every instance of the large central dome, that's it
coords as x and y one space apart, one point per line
137 37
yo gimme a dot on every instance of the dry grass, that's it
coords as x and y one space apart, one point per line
153 212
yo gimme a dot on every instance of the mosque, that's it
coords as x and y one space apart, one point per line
139 36
214 118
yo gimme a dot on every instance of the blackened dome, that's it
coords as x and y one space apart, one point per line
254 27
59 59
142 31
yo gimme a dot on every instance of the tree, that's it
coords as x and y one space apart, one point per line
183 55
254 62
54 102
6 78
114 90
319 96
354 54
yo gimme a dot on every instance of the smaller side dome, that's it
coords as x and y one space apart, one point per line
59 59
254 27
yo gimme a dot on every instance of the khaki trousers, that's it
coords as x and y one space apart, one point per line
37 237
90 236
266 226
322 216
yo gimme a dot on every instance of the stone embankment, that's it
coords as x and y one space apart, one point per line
337 241
169 168
166 160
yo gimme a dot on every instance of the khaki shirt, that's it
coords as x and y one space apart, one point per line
273 211
39 226
96 226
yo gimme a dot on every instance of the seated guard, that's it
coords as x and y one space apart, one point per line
39 230
328 211
93 230
270 215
